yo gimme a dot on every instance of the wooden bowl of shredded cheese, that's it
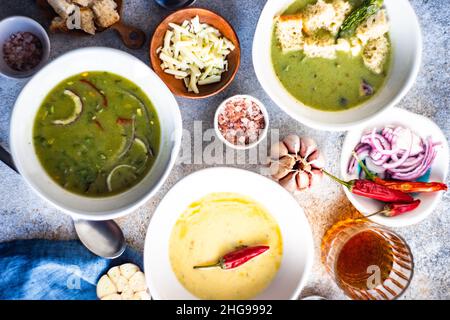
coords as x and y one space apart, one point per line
195 52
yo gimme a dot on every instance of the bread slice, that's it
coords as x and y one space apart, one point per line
62 7
87 20
105 12
58 24
289 32
375 54
317 16
320 47
341 10
374 27
83 3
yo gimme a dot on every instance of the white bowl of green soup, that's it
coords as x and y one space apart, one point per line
95 133
335 64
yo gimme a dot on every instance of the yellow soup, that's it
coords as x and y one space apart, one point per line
214 226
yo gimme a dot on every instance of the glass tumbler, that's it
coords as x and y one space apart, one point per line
367 261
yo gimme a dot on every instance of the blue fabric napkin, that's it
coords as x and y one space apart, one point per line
53 270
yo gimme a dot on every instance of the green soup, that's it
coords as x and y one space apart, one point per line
325 84
96 134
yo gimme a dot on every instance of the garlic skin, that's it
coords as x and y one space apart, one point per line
296 163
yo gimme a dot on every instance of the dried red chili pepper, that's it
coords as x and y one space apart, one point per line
123 121
93 86
403 186
372 190
396 209
237 258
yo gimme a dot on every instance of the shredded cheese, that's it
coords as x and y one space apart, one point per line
195 53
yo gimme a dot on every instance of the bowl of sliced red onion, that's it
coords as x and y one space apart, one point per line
24 47
408 148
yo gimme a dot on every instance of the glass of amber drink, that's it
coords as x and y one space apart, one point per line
367 261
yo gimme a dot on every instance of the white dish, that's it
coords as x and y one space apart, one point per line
12 25
263 134
297 238
439 170
407 51
30 99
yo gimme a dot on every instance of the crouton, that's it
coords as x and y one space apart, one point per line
105 12
319 47
374 27
58 24
82 3
87 20
317 16
375 54
351 45
62 7
341 10
289 32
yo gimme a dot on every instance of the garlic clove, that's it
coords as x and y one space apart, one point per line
303 180
289 182
279 169
278 150
307 147
315 176
292 143
316 160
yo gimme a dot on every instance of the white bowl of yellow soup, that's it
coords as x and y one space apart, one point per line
211 213
35 103
320 107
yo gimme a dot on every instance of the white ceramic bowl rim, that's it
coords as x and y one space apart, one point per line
261 137
298 248
72 63
406 59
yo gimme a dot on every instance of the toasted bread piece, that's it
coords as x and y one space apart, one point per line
320 47
374 27
58 24
375 54
317 16
87 20
62 7
341 10
105 12
83 3
289 32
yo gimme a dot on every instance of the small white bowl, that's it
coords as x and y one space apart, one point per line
406 42
12 25
263 134
439 170
298 249
35 91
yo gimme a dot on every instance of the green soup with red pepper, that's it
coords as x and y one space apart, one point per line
96 134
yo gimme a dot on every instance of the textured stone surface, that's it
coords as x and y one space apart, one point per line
24 215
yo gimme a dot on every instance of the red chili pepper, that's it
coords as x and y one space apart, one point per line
372 190
93 86
123 121
237 258
99 125
396 209
403 186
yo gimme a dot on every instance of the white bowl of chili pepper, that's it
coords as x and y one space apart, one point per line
409 154
297 251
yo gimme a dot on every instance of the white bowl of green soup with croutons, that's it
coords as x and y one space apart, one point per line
95 133
335 64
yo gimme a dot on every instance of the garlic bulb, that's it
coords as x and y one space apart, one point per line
296 163
125 282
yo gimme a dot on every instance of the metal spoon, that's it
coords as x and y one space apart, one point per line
103 238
